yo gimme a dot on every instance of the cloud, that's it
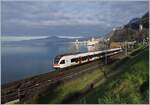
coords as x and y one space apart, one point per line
46 14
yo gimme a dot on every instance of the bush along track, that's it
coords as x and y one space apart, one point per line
131 86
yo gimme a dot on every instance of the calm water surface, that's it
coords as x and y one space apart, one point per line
22 61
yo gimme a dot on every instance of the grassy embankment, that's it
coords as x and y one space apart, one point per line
63 91
132 86
60 93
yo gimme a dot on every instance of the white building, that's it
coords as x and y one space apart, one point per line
92 42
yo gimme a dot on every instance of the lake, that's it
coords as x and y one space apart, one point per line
20 60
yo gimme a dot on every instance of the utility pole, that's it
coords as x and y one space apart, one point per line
105 52
19 94
126 48
4 96
84 101
105 58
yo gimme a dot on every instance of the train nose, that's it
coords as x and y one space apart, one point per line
56 65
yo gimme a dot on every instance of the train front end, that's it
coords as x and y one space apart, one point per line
56 64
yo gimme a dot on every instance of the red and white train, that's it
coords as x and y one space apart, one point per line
67 60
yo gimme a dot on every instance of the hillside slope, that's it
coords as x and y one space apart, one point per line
132 86
131 30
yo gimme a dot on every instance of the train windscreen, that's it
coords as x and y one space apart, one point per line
56 60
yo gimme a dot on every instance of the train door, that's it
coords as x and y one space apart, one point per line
62 63
80 60
68 62
88 57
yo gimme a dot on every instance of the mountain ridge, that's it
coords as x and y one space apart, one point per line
131 30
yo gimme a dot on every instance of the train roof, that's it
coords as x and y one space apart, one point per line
68 54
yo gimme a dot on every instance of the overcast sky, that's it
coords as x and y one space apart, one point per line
74 18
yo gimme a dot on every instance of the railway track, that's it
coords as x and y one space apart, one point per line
20 89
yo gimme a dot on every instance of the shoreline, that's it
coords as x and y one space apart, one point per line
26 79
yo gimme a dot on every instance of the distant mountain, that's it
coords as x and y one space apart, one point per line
145 20
52 40
134 23
130 31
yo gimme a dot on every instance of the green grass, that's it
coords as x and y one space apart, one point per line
124 88
60 93
129 87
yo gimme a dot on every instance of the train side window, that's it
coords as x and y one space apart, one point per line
102 53
90 56
74 60
62 62
84 58
95 55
